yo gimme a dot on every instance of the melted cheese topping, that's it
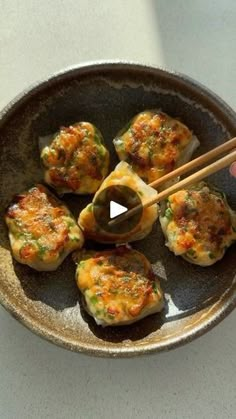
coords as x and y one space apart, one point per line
122 175
42 230
199 224
154 144
118 286
76 160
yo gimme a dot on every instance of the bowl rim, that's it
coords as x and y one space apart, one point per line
228 299
94 65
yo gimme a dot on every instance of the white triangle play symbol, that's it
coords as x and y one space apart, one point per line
116 209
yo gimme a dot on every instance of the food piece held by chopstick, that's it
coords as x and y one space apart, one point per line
42 230
123 175
154 144
118 286
195 178
198 224
75 159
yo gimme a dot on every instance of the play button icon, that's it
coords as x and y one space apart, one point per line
116 209
113 201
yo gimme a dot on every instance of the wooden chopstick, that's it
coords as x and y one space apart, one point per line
194 164
194 178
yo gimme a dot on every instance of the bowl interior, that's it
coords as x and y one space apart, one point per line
108 96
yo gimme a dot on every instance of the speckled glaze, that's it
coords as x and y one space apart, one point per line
108 95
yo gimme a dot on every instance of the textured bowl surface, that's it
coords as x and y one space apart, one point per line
108 95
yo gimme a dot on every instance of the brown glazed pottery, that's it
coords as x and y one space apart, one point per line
108 94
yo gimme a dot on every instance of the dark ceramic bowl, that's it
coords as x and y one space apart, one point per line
109 94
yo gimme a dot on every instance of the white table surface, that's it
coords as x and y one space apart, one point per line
39 380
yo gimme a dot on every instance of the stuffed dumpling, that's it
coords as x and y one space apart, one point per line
124 175
118 286
154 144
75 159
42 230
198 224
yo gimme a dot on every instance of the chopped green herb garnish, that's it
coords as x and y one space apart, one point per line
191 252
74 238
97 139
18 235
87 132
70 223
127 126
44 156
94 299
169 214
119 143
101 151
154 287
150 154
211 255
90 207
189 197
126 278
42 250
81 264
